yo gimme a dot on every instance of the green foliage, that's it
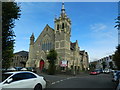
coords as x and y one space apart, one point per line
52 57
118 49
111 65
118 22
92 66
10 12
116 57
104 64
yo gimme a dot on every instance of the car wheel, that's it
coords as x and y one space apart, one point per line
38 87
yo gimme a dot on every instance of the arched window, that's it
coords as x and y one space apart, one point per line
62 25
42 46
48 46
57 26
45 46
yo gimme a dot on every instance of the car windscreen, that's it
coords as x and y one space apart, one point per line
5 76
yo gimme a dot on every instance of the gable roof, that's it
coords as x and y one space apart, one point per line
48 26
45 28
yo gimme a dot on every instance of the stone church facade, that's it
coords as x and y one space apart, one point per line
58 39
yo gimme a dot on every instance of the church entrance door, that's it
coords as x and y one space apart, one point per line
41 65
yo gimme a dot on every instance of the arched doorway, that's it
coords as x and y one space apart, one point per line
41 65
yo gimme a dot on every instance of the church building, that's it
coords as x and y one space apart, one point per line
69 54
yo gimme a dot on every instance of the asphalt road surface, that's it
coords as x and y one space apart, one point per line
87 81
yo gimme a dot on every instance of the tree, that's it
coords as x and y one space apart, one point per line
52 57
111 65
10 12
103 64
92 66
116 57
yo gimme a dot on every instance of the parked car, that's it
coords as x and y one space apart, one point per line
18 68
11 69
116 76
107 71
22 79
99 70
118 85
23 69
95 72
114 72
30 69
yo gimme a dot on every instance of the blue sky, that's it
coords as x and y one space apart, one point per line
92 25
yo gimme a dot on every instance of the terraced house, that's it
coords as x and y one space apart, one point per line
69 54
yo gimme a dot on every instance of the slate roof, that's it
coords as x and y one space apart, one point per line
22 53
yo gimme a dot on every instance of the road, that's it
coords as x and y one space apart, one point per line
87 81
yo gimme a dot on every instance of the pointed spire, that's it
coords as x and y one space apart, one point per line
32 36
32 39
63 8
63 14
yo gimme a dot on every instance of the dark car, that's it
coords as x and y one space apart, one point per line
18 68
116 76
99 70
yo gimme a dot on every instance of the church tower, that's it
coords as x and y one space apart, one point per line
31 49
62 35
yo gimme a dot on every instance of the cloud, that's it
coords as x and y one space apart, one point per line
103 40
96 53
102 32
98 27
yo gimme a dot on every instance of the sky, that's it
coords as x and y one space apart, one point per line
92 25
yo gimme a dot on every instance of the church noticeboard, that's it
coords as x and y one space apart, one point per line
63 63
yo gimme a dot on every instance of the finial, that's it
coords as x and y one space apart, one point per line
63 8
63 5
32 36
